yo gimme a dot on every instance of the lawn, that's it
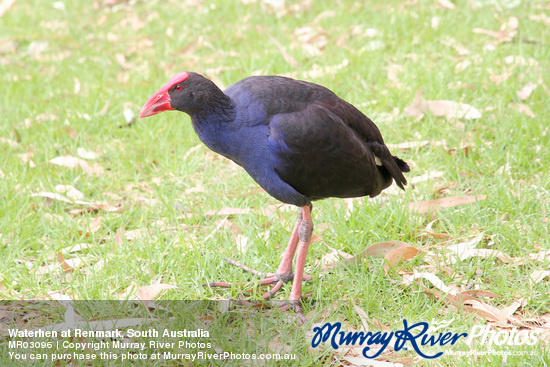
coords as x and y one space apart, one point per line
99 205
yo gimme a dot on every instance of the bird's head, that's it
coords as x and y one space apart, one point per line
186 91
164 98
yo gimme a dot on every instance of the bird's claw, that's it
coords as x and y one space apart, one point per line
283 305
266 279
272 277
249 269
295 306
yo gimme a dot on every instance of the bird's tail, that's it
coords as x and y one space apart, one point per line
395 166
403 166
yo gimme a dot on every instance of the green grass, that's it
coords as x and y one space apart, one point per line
100 59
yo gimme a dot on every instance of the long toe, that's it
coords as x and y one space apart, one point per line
272 279
266 278
249 269
295 306
273 290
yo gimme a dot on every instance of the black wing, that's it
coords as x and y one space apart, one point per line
318 154
322 145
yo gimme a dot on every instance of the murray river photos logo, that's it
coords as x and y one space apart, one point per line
416 336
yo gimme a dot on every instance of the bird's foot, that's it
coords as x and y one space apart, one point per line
277 279
283 305
295 306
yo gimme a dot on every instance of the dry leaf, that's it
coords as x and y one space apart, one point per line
44 269
373 45
73 162
363 316
488 311
69 190
499 78
480 292
136 234
98 266
320 71
526 91
119 235
393 70
521 61
241 242
148 292
434 22
11 143
331 259
91 206
464 149
423 207
399 255
234 229
76 86
540 18
85 154
506 32
379 249
463 65
311 40
510 310
459 248
63 263
465 302
3 290
277 347
121 60
539 256
26 158
53 196
460 49
78 247
68 265
446 4
538 275
429 231
95 224
129 116
100 205
484 253
523 108
503 169
449 109
432 278
5 5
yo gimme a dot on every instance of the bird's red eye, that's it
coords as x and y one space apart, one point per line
178 87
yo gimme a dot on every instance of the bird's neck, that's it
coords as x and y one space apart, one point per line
215 124
220 110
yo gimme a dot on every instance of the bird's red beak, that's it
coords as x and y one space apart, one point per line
159 102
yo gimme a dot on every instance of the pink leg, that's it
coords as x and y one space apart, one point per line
284 272
285 267
304 233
